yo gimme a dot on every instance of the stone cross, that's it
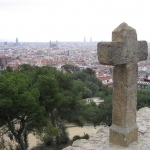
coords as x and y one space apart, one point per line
123 53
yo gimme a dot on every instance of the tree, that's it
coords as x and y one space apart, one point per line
70 68
143 99
101 114
59 94
9 69
72 107
87 93
25 67
89 71
19 104
95 80
80 76
49 96
92 86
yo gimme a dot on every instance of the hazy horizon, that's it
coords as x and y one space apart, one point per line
71 20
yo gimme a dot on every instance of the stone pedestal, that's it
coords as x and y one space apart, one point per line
123 136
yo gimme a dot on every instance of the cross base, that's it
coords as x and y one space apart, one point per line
123 136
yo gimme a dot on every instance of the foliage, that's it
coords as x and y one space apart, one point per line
41 99
19 104
77 137
9 69
59 94
89 71
47 136
63 135
95 80
102 113
25 67
92 85
70 68
80 76
87 93
143 99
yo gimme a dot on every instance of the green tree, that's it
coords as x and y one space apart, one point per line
101 114
95 80
89 71
87 93
92 86
72 107
80 76
70 68
19 104
143 99
49 96
25 67
59 94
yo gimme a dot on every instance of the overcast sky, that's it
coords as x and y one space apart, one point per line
71 20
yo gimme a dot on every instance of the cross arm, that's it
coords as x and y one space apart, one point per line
142 50
111 53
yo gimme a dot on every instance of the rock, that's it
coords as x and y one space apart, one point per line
79 142
68 148
145 147
99 141
142 129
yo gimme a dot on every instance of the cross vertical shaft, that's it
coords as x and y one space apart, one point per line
124 129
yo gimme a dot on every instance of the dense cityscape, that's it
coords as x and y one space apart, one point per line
56 54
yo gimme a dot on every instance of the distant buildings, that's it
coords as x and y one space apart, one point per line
81 54
71 52
107 80
90 39
84 39
144 83
4 60
5 43
53 44
16 41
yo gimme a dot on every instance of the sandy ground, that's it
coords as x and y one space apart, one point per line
72 132
81 131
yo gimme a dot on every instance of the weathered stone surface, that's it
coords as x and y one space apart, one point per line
124 33
124 95
123 52
68 148
79 142
124 47
100 141
123 136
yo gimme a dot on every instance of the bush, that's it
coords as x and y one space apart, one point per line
77 137
62 139
63 136
49 142
85 136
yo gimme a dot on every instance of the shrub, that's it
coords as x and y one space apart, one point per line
77 137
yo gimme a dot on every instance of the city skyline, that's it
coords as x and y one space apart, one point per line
71 20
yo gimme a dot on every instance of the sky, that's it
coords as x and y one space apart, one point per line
71 20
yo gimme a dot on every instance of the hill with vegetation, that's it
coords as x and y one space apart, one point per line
42 100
